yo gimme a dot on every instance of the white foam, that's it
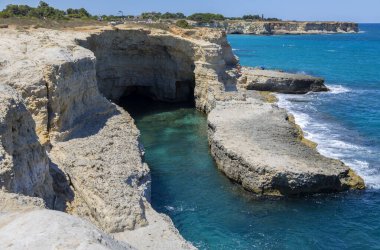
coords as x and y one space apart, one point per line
370 175
337 89
331 144
169 208
180 208
301 72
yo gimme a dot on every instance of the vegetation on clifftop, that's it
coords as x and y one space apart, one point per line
183 24
44 11
206 17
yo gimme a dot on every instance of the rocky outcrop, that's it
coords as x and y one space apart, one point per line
284 27
92 144
47 229
161 65
281 82
24 165
66 145
254 144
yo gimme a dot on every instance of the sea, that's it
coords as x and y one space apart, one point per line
212 212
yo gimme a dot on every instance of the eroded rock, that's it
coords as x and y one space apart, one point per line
281 82
47 229
24 166
254 144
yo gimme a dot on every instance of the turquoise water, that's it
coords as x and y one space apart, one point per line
346 121
213 213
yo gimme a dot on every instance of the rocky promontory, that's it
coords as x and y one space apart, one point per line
281 82
66 145
256 144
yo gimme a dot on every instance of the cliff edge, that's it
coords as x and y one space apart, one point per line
66 144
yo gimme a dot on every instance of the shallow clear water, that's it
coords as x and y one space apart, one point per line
214 213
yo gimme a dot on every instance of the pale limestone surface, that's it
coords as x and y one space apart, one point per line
162 65
24 166
10 202
91 145
254 144
156 235
47 229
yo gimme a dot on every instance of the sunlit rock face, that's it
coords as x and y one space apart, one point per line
161 66
24 165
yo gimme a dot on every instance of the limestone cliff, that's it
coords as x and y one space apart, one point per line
161 65
285 27
65 144
92 144
24 165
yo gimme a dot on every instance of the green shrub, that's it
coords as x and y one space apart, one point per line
183 24
42 11
206 17
4 14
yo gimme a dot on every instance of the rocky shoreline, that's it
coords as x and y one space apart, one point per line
65 144
255 144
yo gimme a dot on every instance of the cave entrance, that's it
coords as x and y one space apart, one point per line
139 104
132 63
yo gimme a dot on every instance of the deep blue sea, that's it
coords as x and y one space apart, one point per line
213 213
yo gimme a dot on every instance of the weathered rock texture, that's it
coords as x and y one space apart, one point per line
24 166
276 81
46 229
92 144
55 117
255 145
285 27
161 65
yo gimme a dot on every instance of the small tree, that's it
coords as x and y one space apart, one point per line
183 24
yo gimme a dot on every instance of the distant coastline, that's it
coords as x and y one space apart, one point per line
281 27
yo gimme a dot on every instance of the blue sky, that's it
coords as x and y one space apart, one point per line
323 10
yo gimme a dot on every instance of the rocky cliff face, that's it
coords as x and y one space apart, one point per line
66 145
93 150
24 165
284 27
163 66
